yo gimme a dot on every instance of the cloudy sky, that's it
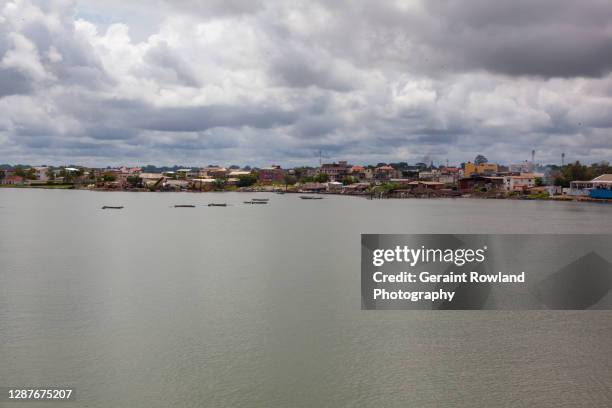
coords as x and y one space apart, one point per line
258 82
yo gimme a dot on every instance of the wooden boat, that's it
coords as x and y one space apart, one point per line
310 198
112 207
280 192
256 202
217 205
184 206
260 199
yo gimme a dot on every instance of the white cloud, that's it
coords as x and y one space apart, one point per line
259 82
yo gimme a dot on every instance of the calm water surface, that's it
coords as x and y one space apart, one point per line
259 306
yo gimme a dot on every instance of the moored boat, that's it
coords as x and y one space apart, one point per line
112 207
217 204
184 206
310 198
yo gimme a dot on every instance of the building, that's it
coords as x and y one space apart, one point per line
358 172
238 173
480 183
203 184
334 186
519 183
485 169
336 171
385 173
42 173
212 172
271 175
524 167
599 187
12 180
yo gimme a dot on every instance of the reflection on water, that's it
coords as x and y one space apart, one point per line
250 305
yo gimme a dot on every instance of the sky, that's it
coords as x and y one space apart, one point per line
254 82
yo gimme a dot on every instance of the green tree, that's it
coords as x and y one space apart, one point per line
220 184
480 159
322 178
108 177
290 180
539 182
346 180
134 180
247 180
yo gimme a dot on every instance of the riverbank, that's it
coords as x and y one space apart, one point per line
371 196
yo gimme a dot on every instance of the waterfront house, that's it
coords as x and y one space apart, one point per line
519 183
385 173
271 175
211 172
334 186
480 183
602 187
336 171
313 187
203 184
12 180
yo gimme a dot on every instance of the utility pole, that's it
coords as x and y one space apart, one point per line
562 159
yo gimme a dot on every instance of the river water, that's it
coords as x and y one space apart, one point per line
259 306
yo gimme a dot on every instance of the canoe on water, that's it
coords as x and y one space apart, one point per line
112 207
184 206
217 205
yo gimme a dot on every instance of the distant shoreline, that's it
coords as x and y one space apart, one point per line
277 191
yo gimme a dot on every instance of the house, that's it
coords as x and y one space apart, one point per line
479 169
203 184
431 175
334 186
426 185
42 173
313 187
519 183
211 172
336 171
356 188
238 173
187 173
12 180
171 184
480 183
384 173
401 181
602 187
271 175
358 172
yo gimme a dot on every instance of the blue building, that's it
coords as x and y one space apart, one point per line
602 187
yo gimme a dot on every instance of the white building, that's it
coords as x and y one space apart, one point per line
519 183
